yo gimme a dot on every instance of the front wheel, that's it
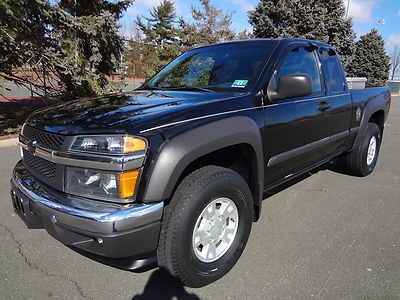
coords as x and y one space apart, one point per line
206 226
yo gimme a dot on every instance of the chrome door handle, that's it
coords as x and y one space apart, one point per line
323 106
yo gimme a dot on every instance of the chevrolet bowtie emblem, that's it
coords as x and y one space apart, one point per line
32 147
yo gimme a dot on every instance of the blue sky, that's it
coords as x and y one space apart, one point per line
366 15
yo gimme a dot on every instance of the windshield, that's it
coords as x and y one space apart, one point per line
232 67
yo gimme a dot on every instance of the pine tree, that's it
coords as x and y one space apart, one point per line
211 25
371 60
322 20
140 56
75 43
95 7
98 46
339 30
159 29
244 35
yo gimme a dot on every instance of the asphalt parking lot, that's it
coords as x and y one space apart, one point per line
328 236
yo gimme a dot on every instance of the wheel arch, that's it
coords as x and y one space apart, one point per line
182 152
375 112
378 118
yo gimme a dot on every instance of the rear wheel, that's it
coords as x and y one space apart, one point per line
206 226
362 160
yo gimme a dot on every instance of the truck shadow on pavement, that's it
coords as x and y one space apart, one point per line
336 166
161 285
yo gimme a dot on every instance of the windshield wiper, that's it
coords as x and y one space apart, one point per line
190 88
151 88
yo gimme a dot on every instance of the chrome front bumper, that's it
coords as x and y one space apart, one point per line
104 229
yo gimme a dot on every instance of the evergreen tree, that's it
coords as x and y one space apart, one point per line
244 35
140 56
338 30
73 42
95 7
160 30
98 46
322 20
371 60
211 25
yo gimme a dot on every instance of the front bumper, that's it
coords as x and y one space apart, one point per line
124 236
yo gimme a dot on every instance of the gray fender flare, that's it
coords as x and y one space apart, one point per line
370 108
179 152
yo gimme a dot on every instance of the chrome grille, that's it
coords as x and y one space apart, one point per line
44 139
39 165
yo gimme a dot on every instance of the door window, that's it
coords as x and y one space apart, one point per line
332 71
302 60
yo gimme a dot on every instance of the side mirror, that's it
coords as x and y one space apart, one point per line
294 85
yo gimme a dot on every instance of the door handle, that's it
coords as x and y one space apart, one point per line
323 106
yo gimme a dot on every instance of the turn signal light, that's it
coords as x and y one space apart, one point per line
127 183
133 144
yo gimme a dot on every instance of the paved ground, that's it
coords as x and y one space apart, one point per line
329 236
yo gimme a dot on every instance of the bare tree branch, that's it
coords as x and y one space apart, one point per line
395 64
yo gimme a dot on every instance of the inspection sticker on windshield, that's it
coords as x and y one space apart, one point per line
239 83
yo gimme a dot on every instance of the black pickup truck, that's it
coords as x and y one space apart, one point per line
173 174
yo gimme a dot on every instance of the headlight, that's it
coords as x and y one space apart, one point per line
101 185
109 144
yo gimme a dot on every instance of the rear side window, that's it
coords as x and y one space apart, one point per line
301 60
332 71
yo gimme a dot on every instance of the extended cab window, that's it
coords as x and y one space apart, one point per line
332 71
229 67
301 60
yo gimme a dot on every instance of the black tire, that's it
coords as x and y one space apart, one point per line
175 252
356 160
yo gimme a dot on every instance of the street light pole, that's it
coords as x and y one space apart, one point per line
347 10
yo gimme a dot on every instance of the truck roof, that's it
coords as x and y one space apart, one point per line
276 40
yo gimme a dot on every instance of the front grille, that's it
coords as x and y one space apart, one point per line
44 139
40 165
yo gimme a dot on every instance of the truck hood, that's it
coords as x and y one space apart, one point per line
122 113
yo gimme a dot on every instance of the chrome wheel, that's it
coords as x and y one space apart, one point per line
215 230
371 151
